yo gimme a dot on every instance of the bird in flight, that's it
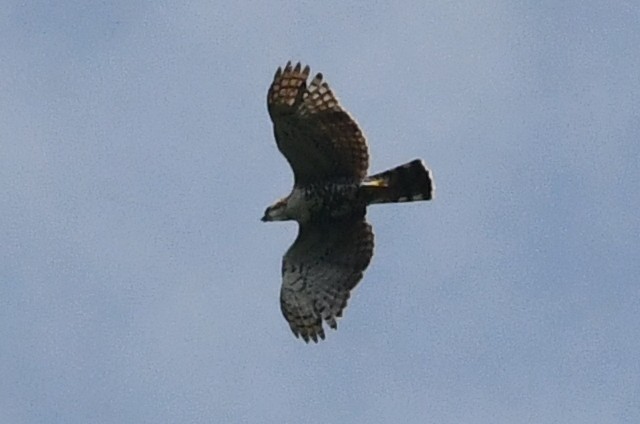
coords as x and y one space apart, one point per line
329 157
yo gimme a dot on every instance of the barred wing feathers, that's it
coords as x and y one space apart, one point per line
319 270
317 136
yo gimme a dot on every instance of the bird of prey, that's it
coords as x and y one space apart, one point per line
329 158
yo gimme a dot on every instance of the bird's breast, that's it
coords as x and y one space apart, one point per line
329 200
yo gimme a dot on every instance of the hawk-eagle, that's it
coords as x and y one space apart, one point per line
329 157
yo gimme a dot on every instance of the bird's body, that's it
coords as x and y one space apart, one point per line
329 157
323 201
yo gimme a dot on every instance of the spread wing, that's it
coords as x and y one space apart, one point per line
319 270
319 138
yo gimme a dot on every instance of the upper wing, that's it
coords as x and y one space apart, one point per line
319 270
319 138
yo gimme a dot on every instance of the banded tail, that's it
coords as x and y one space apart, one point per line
404 183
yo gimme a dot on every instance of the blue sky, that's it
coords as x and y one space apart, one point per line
137 283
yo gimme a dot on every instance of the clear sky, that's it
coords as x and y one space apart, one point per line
137 284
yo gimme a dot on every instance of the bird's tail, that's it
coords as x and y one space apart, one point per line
405 183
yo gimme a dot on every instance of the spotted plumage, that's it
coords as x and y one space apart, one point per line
329 158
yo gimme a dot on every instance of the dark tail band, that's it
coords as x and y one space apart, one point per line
405 183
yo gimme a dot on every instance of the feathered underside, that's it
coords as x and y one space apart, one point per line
319 271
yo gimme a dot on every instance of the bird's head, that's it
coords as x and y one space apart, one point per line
276 212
